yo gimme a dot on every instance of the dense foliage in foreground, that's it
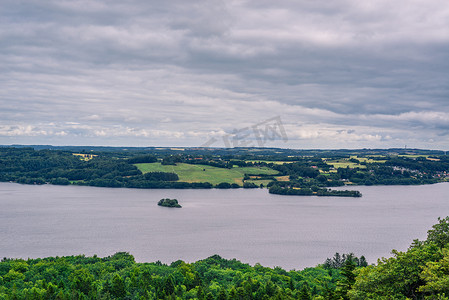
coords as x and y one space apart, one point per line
120 277
422 272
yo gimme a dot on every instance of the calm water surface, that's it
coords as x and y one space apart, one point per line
251 225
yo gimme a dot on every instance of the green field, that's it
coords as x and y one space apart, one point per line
413 155
370 160
343 163
203 173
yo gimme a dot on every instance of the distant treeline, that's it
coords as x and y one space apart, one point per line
242 153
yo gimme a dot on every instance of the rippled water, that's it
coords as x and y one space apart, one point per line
251 225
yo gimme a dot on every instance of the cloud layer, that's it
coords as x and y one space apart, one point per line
340 73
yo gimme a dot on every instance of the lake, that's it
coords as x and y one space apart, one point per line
248 224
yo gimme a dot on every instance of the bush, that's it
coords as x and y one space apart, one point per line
223 185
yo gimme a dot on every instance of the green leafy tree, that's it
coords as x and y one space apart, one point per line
82 280
304 292
439 234
233 294
347 281
118 288
398 277
222 295
169 285
436 276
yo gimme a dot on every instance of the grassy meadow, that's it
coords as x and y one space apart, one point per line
204 173
343 163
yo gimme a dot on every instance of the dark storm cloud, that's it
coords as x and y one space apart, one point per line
339 73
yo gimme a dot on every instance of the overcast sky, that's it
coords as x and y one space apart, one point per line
336 74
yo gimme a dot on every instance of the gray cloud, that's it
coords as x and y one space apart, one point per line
340 73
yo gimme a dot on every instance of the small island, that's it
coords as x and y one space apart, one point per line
169 203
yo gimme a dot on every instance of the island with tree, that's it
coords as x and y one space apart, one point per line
169 203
